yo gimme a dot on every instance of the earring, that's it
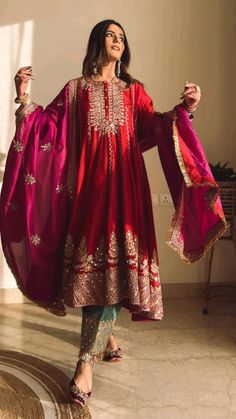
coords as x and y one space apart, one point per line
95 70
118 68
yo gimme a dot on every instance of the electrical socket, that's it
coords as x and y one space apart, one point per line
165 200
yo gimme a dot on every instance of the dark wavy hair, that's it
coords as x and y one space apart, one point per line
96 54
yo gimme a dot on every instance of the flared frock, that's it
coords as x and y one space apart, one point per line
111 252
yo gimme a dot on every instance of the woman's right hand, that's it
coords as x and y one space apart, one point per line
22 77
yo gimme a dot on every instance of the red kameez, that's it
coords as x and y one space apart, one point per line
111 252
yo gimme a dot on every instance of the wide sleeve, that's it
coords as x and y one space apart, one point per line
149 121
36 196
198 220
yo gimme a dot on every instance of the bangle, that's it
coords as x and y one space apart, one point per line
24 100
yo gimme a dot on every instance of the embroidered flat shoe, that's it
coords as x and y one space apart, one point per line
113 356
77 395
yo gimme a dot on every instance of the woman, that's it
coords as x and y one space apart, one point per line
75 179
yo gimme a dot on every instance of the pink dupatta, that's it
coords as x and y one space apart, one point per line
199 219
37 196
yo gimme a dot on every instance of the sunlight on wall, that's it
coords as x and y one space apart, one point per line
17 40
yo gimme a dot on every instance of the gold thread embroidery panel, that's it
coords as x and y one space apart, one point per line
106 106
112 273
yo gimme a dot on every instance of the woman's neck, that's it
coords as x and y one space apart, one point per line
107 72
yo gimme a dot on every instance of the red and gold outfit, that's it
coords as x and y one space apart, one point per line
110 252
76 215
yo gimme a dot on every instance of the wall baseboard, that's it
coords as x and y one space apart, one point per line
11 295
181 290
172 290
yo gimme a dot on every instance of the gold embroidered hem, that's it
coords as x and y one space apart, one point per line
114 273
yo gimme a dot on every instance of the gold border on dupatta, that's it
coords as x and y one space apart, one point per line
175 228
74 87
22 112
178 153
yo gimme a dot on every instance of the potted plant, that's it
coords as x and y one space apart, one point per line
223 173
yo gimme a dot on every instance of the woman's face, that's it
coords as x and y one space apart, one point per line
114 42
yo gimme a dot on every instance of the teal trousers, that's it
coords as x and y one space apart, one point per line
97 326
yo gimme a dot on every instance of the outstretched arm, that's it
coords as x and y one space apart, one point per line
199 219
150 122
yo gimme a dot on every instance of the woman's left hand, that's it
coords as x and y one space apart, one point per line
191 96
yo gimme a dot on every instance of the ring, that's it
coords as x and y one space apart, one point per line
197 88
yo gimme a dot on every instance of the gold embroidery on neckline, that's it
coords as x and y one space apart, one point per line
106 105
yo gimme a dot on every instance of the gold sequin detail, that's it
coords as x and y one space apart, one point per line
17 145
131 244
94 337
35 239
29 179
100 253
113 246
59 188
69 246
46 147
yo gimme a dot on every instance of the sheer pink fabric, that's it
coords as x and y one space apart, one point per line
34 214
199 219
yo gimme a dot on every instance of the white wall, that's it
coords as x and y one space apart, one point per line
171 41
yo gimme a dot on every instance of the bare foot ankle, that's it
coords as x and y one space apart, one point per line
83 376
112 344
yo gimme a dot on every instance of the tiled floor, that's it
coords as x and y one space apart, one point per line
183 367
